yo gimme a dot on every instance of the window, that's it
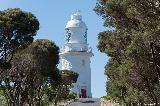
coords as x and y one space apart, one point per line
68 35
85 36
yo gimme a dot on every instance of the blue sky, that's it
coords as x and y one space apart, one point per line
53 16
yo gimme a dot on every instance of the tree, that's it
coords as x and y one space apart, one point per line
62 90
31 69
17 29
133 45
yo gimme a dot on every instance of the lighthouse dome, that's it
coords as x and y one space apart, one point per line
76 21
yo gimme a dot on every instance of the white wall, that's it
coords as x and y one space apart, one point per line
79 63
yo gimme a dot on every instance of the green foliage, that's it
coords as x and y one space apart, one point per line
60 90
50 91
67 78
3 101
32 69
45 103
108 98
45 48
17 29
72 95
133 47
71 76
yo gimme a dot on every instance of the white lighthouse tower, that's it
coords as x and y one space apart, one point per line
76 54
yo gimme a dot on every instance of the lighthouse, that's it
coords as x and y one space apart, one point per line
76 54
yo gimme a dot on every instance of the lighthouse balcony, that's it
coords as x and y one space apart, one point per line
66 49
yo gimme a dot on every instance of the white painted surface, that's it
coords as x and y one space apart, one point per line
75 55
77 28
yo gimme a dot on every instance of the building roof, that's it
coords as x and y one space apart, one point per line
76 21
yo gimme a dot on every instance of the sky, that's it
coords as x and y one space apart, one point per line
53 16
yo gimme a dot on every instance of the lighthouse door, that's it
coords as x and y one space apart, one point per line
84 93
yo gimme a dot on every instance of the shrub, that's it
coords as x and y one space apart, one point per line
72 95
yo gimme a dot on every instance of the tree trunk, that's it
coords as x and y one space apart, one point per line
39 98
152 94
141 102
154 60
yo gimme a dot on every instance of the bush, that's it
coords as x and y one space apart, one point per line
107 97
72 95
3 101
